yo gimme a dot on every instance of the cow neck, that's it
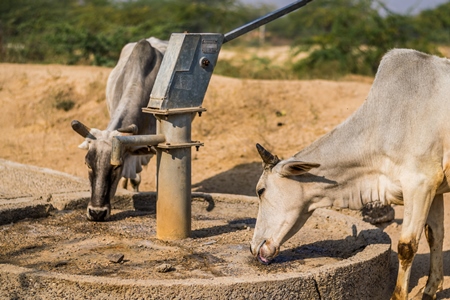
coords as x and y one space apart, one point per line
350 163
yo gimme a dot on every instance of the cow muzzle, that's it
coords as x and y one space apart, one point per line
265 252
98 214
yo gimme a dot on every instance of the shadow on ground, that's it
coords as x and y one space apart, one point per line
420 267
424 260
241 179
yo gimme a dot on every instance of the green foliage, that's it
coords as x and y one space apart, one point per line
61 98
65 105
253 68
341 36
436 23
94 31
351 37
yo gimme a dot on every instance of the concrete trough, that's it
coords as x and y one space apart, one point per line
49 250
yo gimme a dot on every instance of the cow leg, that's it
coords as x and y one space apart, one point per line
136 182
417 204
434 231
123 183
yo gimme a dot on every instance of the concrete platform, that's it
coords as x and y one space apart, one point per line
30 192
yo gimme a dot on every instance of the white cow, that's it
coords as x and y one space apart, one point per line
127 92
395 149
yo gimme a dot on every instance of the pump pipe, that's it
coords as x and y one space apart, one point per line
120 141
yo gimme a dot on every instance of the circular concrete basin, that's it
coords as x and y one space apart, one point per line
58 253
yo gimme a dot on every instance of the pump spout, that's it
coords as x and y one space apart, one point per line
119 143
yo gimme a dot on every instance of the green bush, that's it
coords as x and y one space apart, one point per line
351 37
94 31
342 36
253 68
63 99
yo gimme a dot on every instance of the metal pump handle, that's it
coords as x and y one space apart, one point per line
264 20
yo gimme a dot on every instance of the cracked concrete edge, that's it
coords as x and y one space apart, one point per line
362 276
359 277
40 204
36 169
38 207
28 282
10 214
368 269
45 284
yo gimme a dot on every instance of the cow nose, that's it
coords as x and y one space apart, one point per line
254 250
97 214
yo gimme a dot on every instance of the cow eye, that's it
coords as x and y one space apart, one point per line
260 192
88 165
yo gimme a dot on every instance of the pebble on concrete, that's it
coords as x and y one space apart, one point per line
164 268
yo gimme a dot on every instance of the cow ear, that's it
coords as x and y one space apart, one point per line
143 151
295 168
84 145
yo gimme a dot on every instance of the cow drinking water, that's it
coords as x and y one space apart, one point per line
395 149
127 92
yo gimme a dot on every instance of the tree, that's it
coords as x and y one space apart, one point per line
350 36
94 31
341 36
436 23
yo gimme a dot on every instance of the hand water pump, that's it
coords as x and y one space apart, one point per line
177 96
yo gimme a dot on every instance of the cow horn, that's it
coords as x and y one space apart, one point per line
82 129
133 129
267 157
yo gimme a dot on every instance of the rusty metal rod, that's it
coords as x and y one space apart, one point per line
173 205
264 20
120 141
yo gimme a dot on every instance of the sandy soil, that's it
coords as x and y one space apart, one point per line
284 116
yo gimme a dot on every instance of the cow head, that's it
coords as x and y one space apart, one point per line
283 203
103 176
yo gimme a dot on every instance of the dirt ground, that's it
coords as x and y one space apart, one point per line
283 116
